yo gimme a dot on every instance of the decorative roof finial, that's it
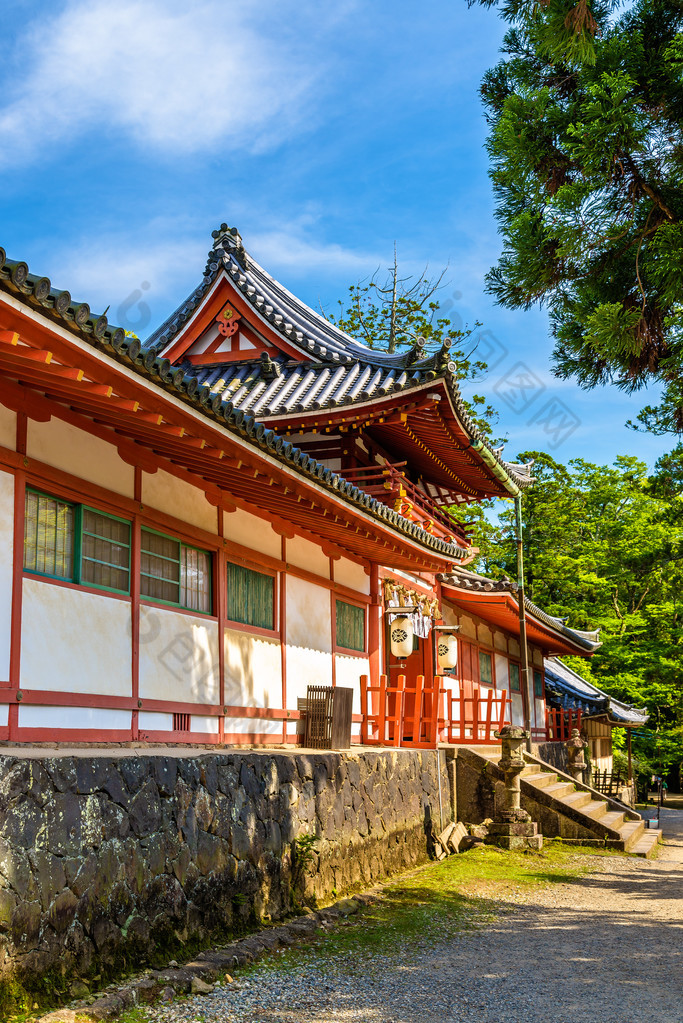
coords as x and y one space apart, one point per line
229 240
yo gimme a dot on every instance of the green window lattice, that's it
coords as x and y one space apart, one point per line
251 597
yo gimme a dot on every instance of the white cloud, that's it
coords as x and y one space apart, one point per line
176 77
291 251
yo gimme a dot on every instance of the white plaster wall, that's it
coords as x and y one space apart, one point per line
253 670
74 641
449 615
34 716
537 657
178 657
175 497
348 671
348 573
204 724
305 554
154 721
502 675
468 629
485 635
309 638
250 726
79 453
539 709
514 647
6 567
4 714
8 428
500 641
251 531
517 710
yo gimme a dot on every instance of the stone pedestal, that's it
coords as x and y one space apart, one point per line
520 834
513 828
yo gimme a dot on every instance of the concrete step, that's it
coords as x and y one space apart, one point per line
596 809
531 769
541 780
563 788
646 846
631 832
613 819
577 800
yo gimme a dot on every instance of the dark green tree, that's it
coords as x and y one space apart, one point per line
586 152
603 546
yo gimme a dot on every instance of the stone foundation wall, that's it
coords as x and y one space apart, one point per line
110 862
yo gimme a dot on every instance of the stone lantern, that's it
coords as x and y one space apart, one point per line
513 827
576 764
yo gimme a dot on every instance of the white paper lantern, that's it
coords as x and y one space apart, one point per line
447 650
401 634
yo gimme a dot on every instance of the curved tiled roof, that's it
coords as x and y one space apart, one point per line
571 691
473 583
58 306
340 370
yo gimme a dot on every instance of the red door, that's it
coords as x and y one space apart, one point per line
411 667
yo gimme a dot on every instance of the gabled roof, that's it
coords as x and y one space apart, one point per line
496 602
41 313
307 365
567 690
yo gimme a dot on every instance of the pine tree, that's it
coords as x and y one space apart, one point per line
586 152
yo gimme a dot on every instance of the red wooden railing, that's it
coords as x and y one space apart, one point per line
421 716
559 724
392 487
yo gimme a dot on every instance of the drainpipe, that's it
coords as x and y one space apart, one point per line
524 650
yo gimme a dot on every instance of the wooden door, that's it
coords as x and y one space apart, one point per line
411 667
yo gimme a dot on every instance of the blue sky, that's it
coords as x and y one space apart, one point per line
325 133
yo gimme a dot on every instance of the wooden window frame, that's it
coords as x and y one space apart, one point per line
160 602
519 673
338 647
541 674
277 578
491 655
75 579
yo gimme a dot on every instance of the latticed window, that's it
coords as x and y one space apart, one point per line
174 573
251 597
105 551
538 685
49 536
515 685
485 668
350 626
70 541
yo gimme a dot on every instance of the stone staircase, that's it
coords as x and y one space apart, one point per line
569 810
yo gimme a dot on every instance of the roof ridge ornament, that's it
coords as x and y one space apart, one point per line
228 240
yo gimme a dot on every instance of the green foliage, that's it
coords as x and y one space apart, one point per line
603 546
586 157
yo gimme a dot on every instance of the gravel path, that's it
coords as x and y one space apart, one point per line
604 948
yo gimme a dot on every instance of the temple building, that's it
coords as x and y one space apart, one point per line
201 525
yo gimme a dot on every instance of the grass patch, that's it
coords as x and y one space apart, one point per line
427 906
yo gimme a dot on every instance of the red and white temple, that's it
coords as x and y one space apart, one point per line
199 526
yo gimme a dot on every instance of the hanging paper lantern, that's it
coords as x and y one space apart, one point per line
447 649
401 634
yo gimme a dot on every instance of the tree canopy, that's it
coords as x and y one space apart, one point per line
586 154
603 546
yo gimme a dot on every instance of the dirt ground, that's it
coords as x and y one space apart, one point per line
604 947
